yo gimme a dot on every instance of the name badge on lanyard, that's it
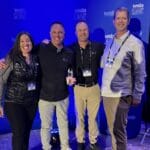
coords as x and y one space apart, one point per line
31 86
87 73
109 63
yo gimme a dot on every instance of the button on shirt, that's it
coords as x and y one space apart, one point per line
128 66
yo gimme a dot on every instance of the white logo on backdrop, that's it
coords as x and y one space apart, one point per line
137 9
19 14
109 36
109 13
80 14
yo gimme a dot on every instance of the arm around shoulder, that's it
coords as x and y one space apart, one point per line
4 74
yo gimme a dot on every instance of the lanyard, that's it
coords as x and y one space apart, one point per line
110 61
89 48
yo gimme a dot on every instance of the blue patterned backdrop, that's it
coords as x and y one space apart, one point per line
36 16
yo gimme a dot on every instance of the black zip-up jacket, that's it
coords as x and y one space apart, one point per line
90 58
54 65
19 78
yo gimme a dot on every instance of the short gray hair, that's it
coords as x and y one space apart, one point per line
122 9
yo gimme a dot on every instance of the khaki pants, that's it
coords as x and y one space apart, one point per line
87 98
116 110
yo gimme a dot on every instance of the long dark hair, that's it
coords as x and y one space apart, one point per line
16 47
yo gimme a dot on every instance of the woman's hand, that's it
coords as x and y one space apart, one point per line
2 63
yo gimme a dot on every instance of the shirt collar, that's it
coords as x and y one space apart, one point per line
124 36
87 46
58 50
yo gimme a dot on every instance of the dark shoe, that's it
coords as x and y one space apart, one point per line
80 146
94 146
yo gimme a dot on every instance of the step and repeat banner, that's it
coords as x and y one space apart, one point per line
99 15
25 15
35 17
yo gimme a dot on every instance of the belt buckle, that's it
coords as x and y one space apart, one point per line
84 85
92 84
87 85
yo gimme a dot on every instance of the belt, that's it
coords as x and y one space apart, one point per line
87 85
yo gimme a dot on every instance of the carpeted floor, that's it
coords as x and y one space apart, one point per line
104 141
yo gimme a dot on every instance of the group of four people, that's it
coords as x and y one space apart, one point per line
40 71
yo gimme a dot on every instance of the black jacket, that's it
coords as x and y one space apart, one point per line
54 64
90 58
19 79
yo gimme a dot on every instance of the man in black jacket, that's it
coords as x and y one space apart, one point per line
55 60
87 91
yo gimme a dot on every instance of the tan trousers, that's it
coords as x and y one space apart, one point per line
110 107
116 113
87 98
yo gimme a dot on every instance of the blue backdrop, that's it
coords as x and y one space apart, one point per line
36 16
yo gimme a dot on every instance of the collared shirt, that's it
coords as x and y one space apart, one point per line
54 65
126 75
88 58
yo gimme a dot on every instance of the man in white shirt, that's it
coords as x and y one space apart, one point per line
123 77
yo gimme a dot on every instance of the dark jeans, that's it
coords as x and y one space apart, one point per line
121 122
21 118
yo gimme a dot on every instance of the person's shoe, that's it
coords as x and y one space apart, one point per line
94 146
80 146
